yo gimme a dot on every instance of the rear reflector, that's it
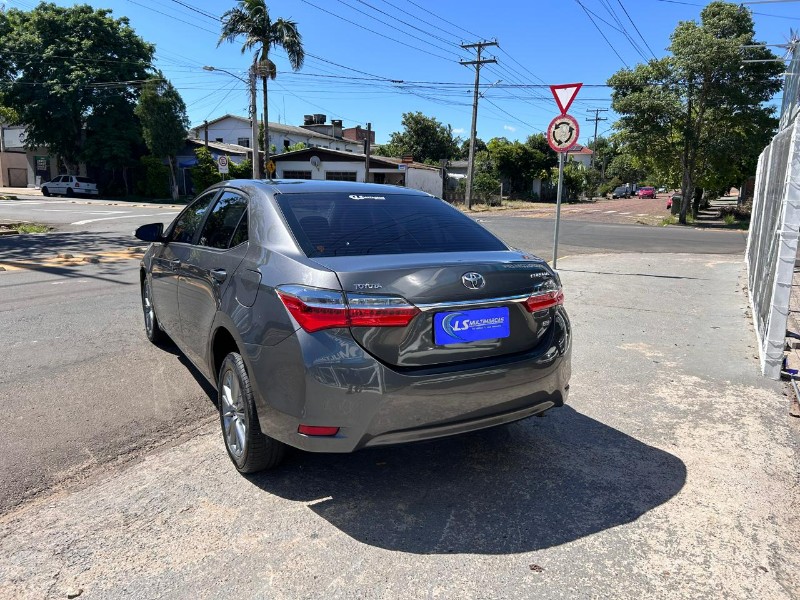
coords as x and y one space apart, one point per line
317 430
315 309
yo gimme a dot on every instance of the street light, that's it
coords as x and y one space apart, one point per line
253 121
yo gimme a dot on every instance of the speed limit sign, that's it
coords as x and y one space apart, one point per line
222 164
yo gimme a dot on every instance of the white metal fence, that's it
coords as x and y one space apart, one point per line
772 243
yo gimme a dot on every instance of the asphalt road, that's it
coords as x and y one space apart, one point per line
85 387
671 474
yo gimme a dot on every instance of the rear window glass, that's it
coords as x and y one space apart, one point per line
340 224
84 180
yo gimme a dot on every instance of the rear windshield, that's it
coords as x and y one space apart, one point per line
84 180
340 224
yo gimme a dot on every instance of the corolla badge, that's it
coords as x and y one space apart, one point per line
473 281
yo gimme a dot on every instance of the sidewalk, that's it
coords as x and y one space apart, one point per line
673 473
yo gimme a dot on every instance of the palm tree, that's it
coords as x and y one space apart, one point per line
250 18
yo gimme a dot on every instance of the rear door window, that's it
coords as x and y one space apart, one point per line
339 224
223 220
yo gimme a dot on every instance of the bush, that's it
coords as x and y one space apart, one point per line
155 180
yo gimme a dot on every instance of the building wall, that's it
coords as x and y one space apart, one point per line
13 160
319 173
230 130
427 180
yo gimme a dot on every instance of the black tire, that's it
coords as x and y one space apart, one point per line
151 327
70 193
257 451
45 191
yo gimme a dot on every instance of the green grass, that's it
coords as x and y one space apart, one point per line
673 220
31 228
729 219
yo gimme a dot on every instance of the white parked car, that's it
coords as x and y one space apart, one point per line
70 185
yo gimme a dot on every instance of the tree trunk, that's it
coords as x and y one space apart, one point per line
266 118
173 182
696 200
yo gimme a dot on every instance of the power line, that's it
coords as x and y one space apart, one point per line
610 45
644 39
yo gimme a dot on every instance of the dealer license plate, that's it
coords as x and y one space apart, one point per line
459 327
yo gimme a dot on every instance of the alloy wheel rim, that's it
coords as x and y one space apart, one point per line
234 426
149 311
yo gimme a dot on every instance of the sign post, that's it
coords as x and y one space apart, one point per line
562 134
222 164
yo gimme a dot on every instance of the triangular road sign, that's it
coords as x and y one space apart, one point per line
565 94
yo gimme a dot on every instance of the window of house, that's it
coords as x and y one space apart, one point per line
218 140
243 142
286 143
340 175
297 175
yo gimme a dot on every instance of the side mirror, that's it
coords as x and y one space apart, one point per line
152 232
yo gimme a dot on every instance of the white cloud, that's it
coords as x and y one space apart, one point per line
509 128
458 130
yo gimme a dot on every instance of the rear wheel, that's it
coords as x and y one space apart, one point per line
249 449
45 192
151 327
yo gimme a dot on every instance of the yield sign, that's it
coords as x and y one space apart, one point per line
565 94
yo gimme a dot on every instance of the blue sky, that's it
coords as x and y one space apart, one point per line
367 43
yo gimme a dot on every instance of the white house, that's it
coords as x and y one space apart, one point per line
581 154
339 165
232 129
20 167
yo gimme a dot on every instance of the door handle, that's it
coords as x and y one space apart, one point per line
219 275
174 264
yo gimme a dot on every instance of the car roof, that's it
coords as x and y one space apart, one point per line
312 186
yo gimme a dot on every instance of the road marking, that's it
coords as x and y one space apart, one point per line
610 211
87 221
642 215
625 213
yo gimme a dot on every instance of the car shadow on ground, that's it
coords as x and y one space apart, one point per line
527 486
47 245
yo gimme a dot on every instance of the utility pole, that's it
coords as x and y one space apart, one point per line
205 133
367 148
252 79
478 62
597 118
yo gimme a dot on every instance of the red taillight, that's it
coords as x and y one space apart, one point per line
548 295
77 184
315 309
367 310
317 430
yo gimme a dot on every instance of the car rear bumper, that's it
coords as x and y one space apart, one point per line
330 381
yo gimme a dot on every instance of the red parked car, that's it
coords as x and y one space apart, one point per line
647 192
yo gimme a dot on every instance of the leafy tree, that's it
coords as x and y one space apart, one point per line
162 113
425 138
700 111
206 172
480 146
297 146
73 73
155 180
250 19
519 164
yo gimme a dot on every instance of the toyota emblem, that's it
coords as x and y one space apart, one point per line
473 281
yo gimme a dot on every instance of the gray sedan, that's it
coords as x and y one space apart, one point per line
334 316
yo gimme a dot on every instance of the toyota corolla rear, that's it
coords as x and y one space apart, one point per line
428 326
